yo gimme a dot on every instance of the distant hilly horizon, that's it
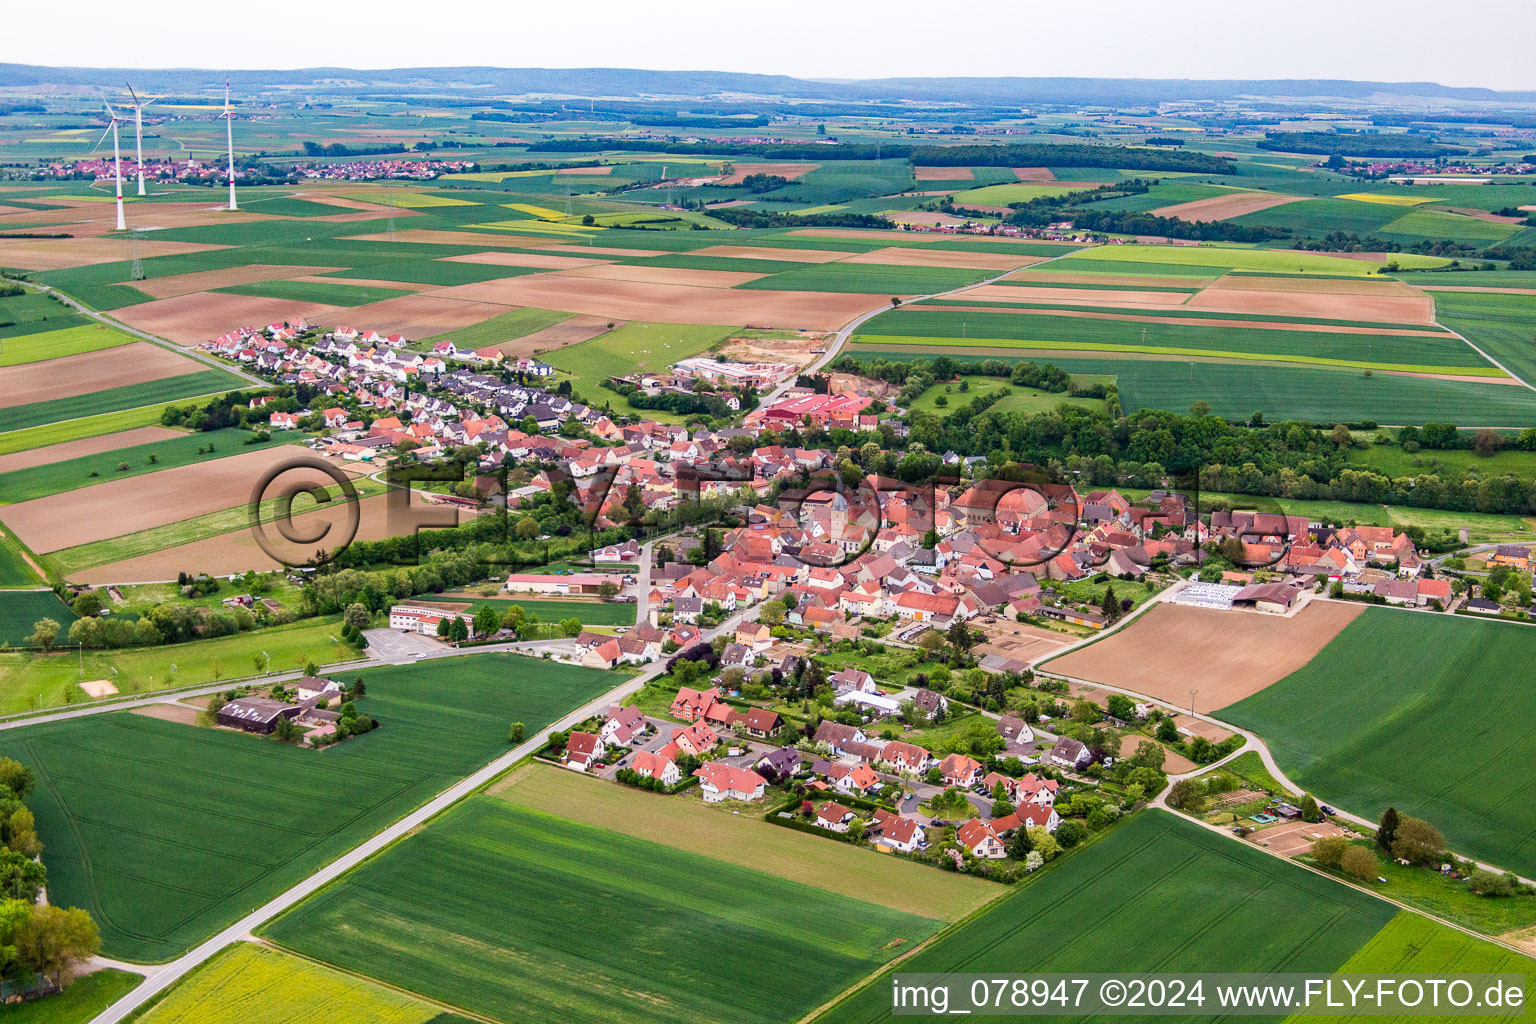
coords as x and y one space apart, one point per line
630 82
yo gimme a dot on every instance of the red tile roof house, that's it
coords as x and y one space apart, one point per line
960 770
695 739
858 779
623 725
657 766
833 815
719 781
898 833
690 705
977 836
906 757
583 749
763 724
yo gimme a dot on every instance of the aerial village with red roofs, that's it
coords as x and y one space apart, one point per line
845 646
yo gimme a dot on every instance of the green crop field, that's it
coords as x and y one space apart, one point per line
593 613
1501 325
71 341
1016 192
506 327
515 915
249 984
338 294
69 474
1260 260
76 429
1158 894
185 385
1411 944
1385 716
1391 460
14 571
1434 224
210 823
873 278
20 610
630 349
81 1003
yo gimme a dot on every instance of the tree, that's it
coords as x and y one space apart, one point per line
516 733
1491 883
1021 845
1070 832
487 620
21 877
311 669
458 631
20 832
357 616
1309 811
959 636
527 528
1167 731
1033 861
359 688
1340 435
931 642
1360 863
15 777
1418 842
53 939
1329 851
1110 604
608 589
570 626
1002 808
287 731
44 633
1386 830
1187 795
86 605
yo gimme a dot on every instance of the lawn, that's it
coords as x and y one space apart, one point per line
1419 712
184 385
30 681
519 915
1415 945
84 999
71 341
1015 398
747 841
1157 894
20 609
250 984
69 474
168 832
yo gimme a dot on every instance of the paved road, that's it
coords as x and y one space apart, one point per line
643 584
160 977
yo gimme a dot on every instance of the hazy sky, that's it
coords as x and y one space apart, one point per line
1475 43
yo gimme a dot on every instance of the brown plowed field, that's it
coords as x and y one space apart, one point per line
942 173
415 316
665 275
631 300
1174 763
1074 296
1392 302
1225 207
763 252
607 169
1225 655
85 446
199 316
905 257
790 171
539 260
1034 174
569 332
208 280
927 218
920 238
120 507
429 236
238 551
1197 321
134 363
1045 276
57 253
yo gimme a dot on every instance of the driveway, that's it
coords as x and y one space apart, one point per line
393 645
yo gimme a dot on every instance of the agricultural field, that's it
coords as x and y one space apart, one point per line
226 820
250 984
631 348
1015 398
80 1003
20 610
1499 324
131 396
78 429
1383 716
52 344
595 613
482 926
1157 893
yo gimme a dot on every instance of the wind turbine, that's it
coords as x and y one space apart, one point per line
138 130
229 130
117 159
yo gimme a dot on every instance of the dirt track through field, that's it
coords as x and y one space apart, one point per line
1225 655
134 363
1225 207
201 316
85 446
119 507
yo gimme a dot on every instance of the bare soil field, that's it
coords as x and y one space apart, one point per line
1174 763
1342 300
664 275
1294 838
632 300
1034 174
915 238
178 713
1019 640
238 551
1225 655
906 257
93 218
797 350
208 280
1045 277
85 446
569 332
763 252
58 253
607 169
1074 296
943 174
1191 726
415 316
540 261
428 236
134 363
196 317
927 218
1199 321
1225 207
119 507
790 171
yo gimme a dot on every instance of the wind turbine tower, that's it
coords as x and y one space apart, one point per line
229 132
138 130
117 159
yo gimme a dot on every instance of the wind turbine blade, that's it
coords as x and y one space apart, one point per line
102 139
110 112
134 95
152 99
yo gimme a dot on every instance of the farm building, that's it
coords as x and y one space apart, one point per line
571 583
256 714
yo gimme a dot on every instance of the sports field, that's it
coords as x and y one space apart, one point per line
1420 712
249 984
519 915
1158 894
167 832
